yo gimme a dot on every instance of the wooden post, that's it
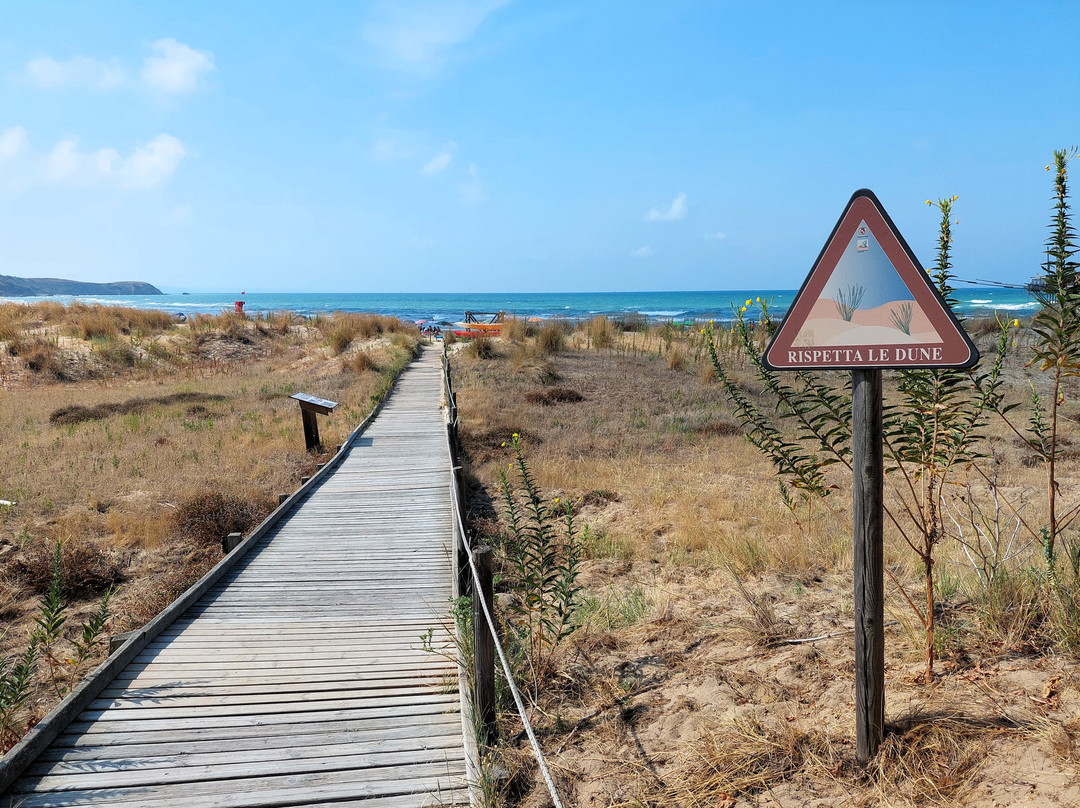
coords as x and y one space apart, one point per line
281 498
229 543
311 430
117 640
867 517
461 565
484 650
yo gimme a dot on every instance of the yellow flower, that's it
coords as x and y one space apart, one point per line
758 299
703 331
742 309
1048 168
928 202
514 435
1016 323
748 302
556 500
504 444
955 198
1014 343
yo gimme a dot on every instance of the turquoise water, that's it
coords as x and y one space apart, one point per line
450 307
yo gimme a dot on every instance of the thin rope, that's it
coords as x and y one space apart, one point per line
487 615
502 658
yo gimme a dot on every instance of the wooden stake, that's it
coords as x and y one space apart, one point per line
483 650
868 519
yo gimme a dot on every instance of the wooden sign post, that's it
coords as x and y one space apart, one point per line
866 305
867 483
310 406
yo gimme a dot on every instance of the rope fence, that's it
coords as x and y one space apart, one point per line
474 575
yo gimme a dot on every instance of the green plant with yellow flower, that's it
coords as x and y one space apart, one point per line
931 428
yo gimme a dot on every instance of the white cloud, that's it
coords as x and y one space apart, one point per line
78 71
147 166
437 163
152 164
177 68
65 163
676 211
473 191
416 37
12 143
715 236
641 252
388 149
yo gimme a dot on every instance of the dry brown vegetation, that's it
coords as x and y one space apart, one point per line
714 665
139 465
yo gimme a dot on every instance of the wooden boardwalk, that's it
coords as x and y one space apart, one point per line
300 677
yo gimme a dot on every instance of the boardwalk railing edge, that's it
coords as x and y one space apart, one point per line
473 771
20 756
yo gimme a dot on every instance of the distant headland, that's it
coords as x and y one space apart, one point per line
11 286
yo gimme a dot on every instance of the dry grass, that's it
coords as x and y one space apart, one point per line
343 328
86 568
705 713
600 332
744 757
211 515
139 478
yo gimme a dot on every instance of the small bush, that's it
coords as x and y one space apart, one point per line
86 570
514 329
97 324
41 357
339 337
363 361
601 332
481 348
551 396
551 338
211 515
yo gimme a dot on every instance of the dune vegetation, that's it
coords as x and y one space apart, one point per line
133 443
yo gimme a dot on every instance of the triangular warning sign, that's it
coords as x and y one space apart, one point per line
867 303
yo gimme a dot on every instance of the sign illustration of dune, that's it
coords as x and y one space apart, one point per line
838 322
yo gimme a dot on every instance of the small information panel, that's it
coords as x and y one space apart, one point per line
868 303
320 405
310 406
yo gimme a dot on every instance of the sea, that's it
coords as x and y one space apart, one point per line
451 307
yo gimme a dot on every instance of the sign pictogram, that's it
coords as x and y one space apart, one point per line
868 303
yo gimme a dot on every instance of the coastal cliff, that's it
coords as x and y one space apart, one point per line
11 286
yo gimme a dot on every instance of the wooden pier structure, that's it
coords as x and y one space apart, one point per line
314 666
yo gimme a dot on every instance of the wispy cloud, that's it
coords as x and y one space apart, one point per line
48 73
718 236
473 191
146 166
176 68
641 252
676 211
390 149
13 142
440 162
173 68
417 37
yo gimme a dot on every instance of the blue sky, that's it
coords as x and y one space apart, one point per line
519 146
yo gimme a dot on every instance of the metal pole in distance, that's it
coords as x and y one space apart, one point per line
867 517
484 650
